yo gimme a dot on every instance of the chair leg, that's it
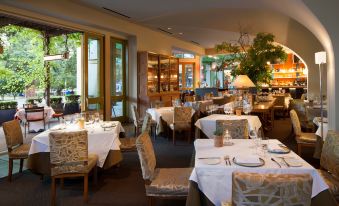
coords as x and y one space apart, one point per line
10 169
150 200
173 135
21 165
53 191
62 183
135 131
86 188
189 136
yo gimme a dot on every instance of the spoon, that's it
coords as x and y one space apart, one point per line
227 160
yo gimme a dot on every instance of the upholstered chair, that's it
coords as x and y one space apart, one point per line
329 162
300 108
69 158
238 129
279 104
128 143
136 119
160 182
181 121
271 189
303 139
15 146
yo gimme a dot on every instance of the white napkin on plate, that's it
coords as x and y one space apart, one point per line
253 159
275 148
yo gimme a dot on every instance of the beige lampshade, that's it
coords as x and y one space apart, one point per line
243 82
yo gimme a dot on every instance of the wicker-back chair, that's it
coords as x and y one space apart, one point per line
238 129
181 121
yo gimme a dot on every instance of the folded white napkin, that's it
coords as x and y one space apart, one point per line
253 159
275 148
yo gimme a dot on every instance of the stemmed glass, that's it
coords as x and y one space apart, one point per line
101 119
68 119
96 117
247 108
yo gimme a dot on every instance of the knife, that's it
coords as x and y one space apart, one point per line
276 162
203 158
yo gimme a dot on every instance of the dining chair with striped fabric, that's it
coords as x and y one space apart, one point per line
69 158
238 129
15 145
271 189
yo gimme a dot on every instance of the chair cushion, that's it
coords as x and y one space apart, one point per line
329 159
20 151
306 138
92 162
332 182
169 182
128 143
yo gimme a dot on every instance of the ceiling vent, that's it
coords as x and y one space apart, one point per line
116 13
194 42
163 30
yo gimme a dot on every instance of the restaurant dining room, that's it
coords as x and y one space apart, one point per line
169 103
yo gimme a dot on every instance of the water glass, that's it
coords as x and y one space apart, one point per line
68 119
96 116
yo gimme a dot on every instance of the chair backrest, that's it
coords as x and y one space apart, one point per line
330 153
295 122
182 114
189 98
303 96
134 111
238 129
271 189
146 155
35 114
146 125
279 101
68 152
13 133
157 104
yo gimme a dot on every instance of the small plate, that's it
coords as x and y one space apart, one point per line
293 162
283 150
211 161
262 163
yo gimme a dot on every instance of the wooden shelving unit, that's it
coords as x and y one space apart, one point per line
158 79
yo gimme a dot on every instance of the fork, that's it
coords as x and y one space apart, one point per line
227 160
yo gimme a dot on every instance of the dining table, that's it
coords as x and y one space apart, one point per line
35 126
211 178
265 111
103 140
207 124
162 116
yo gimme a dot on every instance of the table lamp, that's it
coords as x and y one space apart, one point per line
242 82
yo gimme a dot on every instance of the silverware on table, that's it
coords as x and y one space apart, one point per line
227 160
276 162
283 159
204 158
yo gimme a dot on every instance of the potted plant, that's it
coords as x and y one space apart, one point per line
7 110
251 58
218 137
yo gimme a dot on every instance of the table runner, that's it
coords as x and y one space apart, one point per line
215 181
100 142
208 124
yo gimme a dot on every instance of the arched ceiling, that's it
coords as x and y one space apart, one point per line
209 22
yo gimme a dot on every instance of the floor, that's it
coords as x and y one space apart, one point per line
121 185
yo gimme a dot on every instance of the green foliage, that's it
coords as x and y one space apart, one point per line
55 100
8 105
251 59
218 132
72 98
35 100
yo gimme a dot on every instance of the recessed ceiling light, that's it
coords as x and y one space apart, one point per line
180 33
169 28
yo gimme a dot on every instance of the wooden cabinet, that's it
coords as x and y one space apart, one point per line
157 80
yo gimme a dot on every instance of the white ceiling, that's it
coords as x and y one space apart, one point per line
206 22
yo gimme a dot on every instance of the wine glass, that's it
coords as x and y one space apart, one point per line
91 119
68 119
96 116
101 119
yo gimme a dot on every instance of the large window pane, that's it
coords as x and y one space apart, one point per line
117 83
93 68
117 109
189 75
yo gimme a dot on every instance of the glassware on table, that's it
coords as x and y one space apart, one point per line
101 119
68 119
96 116
91 118
247 108
62 122
81 120
227 138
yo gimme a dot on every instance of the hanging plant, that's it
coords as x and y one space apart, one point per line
250 58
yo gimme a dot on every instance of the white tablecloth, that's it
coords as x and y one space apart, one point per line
208 124
100 142
316 121
164 113
35 125
215 181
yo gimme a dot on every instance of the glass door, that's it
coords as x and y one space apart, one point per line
186 76
93 93
118 79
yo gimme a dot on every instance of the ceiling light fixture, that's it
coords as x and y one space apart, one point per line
180 33
169 28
